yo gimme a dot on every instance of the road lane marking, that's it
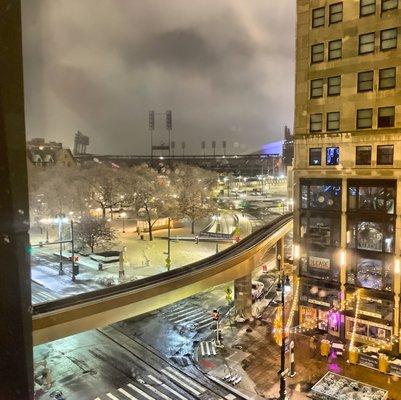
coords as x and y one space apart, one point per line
125 393
175 393
141 392
193 383
188 317
160 394
181 383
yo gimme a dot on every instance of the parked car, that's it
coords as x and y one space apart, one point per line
257 289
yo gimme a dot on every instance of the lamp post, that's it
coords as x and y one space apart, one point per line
283 281
123 216
168 259
60 218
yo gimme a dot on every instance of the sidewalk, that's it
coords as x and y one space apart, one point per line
251 351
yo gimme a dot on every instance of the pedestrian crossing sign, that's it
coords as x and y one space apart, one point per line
229 293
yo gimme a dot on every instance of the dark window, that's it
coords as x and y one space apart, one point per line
333 121
316 122
365 81
367 7
367 43
320 228
363 155
318 17
385 155
321 194
316 88
317 53
335 49
385 117
334 85
387 78
335 13
364 118
332 155
388 39
315 156
389 5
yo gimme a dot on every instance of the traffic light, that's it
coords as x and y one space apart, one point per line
151 120
169 120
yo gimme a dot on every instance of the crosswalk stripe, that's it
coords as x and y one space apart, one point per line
175 393
179 309
174 371
203 348
213 345
207 349
204 325
160 394
180 382
125 393
112 397
199 318
188 317
181 314
141 392
97 398
209 318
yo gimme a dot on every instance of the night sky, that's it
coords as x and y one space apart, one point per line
224 67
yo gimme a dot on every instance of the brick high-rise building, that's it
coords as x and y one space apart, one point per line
347 167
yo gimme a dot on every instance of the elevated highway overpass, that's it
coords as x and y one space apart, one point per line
65 317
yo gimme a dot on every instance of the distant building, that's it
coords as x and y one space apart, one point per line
44 154
288 148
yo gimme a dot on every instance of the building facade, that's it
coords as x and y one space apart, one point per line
347 167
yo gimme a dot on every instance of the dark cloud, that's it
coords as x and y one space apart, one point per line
224 67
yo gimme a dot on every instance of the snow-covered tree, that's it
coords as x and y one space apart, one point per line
93 233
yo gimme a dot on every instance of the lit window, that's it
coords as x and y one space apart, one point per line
389 5
315 156
316 122
363 155
388 39
335 49
336 13
316 88
365 81
385 155
334 85
318 17
387 78
317 53
367 43
333 121
386 117
367 7
332 155
364 118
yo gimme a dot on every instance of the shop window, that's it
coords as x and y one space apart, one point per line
315 156
387 78
371 236
334 86
316 122
321 230
367 7
364 118
378 308
365 81
317 53
386 117
332 155
325 197
321 264
385 155
318 17
316 88
335 49
368 329
363 155
335 13
378 199
388 5
367 43
388 39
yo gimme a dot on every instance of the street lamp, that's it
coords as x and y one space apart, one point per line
284 282
123 215
46 222
60 219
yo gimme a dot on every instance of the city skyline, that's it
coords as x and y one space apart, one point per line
102 72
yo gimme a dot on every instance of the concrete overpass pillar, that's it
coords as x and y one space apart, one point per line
243 296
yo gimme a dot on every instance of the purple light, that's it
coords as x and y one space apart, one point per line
334 318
